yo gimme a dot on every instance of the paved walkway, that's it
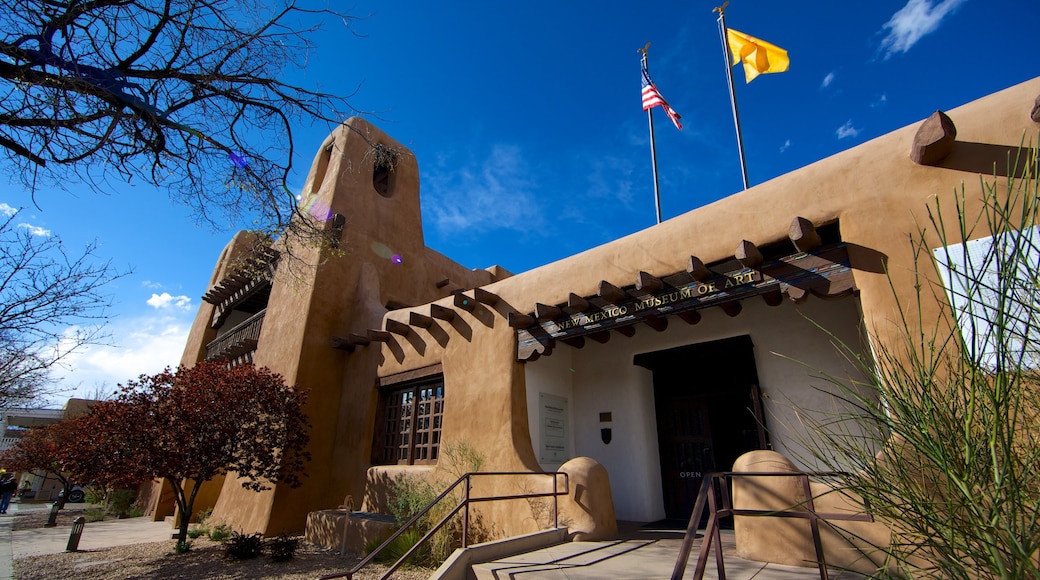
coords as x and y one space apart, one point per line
22 543
638 554
645 555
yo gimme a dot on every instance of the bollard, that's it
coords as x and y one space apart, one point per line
77 530
52 518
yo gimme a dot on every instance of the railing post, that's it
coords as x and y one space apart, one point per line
556 499
465 512
814 525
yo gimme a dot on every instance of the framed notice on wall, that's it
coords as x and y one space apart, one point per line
552 419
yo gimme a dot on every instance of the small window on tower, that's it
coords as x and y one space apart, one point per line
384 160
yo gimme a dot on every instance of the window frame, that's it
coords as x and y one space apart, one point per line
410 418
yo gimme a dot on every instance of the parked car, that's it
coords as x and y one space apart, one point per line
77 495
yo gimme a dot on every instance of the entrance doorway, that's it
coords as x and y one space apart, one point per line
708 414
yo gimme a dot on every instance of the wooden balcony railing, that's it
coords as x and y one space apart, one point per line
238 342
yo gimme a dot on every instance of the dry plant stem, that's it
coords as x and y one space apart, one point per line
943 440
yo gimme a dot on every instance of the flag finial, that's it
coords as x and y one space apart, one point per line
721 9
644 49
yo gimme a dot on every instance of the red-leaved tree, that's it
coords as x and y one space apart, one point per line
190 425
45 448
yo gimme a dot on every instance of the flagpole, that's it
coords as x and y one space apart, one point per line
732 90
653 147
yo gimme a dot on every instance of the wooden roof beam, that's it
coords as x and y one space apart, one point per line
546 312
377 335
420 320
648 283
731 308
485 297
610 292
576 303
774 297
690 317
397 327
748 254
517 320
358 340
803 235
658 323
575 341
341 344
441 313
464 302
696 268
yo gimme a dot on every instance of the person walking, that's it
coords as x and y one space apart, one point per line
7 488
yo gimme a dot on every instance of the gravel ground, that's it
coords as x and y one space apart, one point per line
157 561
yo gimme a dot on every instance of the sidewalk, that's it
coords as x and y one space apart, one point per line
638 553
22 543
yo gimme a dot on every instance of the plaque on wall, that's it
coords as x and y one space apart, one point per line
552 421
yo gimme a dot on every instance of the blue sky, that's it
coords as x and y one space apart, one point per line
532 145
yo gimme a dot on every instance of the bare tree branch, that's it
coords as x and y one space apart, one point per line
185 95
51 304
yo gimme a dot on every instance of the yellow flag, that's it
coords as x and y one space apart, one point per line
758 56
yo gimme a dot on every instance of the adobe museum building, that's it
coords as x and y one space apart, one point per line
637 366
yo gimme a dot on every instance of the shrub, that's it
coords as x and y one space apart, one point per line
96 495
283 548
244 546
120 500
182 547
202 516
220 533
409 496
950 416
399 547
195 533
94 514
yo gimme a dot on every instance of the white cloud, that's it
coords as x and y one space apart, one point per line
492 193
880 102
827 80
141 345
166 301
151 285
8 210
36 230
785 146
847 130
914 21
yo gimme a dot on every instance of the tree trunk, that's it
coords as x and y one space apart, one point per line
182 533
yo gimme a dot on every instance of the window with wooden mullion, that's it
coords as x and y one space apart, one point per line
413 423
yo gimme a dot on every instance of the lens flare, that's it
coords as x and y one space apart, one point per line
238 160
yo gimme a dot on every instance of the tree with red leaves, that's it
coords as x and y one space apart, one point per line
190 425
45 448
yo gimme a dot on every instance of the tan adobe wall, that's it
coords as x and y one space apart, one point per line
876 193
347 292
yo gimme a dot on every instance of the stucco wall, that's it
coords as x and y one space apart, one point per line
788 350
874 191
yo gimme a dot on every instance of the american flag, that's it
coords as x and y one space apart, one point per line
652 98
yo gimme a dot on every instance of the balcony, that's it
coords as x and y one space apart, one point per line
238 344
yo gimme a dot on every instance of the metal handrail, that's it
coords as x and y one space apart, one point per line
710 486
462 505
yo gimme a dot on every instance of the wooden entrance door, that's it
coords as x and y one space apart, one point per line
687 453
707 414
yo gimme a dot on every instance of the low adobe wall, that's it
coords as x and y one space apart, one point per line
849 545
